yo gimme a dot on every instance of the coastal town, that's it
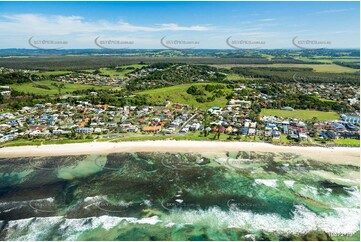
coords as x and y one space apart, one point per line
180 121
100 105
84 120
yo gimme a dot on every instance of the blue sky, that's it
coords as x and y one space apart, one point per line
208 24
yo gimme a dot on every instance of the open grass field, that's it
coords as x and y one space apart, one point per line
69 88
54 73
269 57
319 60
114 73
330 68
329 60
301 114
236 77
179 94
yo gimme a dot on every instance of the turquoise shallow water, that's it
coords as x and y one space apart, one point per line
178 196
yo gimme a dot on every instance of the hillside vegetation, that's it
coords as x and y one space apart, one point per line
179 94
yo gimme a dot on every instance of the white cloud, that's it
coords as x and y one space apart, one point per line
267 20
335 10
33 24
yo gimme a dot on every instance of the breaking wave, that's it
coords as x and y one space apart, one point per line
343 221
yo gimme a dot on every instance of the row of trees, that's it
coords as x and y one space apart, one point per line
176 74
15 78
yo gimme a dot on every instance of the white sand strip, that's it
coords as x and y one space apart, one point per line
337 155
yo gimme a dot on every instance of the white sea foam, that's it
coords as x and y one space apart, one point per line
70 229
94 199
309 191
9 210
169 225
99 199
349 181
24 202
335 201
222 160
6 207
289 183
147 203
152 220
344 221
31 229
266 182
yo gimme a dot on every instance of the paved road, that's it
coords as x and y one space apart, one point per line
186 122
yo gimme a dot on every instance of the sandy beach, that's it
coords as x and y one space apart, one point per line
336 155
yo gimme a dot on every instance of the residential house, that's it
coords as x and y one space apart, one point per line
153 129
84 130
351 118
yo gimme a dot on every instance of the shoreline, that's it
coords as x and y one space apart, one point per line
335 155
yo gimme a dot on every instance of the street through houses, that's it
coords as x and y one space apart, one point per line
186 122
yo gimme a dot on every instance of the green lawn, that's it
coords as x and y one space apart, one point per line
283 140
350 142
236 77
301 114
179 94
69 88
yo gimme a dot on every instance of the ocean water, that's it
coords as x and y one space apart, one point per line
178 196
